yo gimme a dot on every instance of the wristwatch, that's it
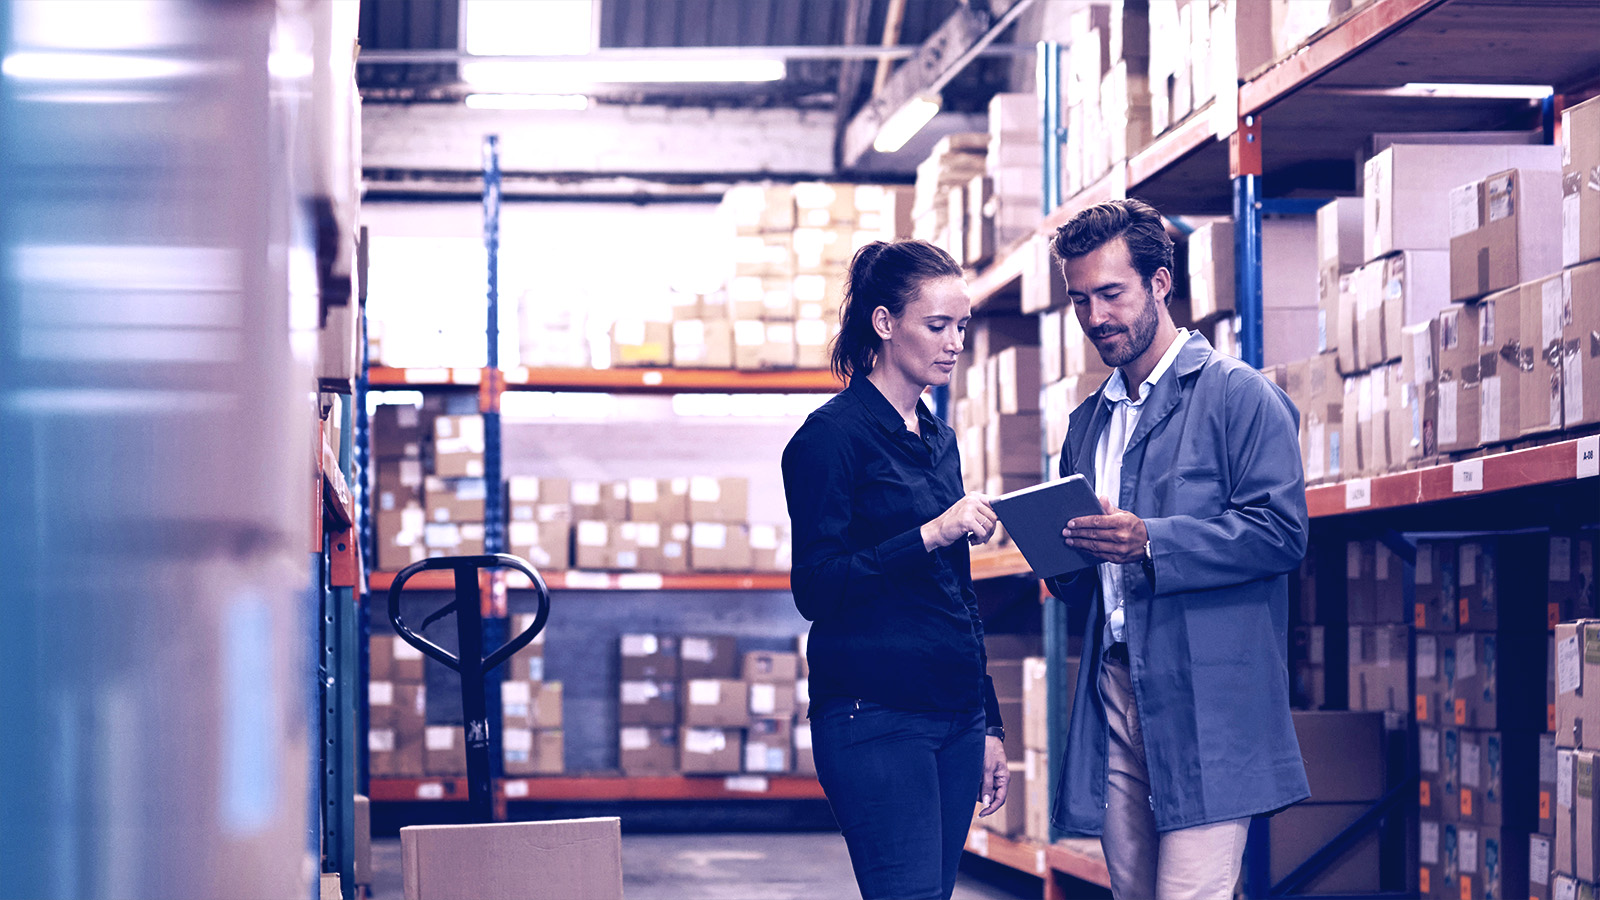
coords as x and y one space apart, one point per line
995 731
1148 556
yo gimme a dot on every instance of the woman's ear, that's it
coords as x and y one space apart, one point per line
883 323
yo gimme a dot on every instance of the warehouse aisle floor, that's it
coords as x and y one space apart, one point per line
718 867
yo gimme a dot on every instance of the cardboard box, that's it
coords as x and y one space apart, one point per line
1018 380
1547 785
1211 269
1545 312
397 705
531 704
539 499
454 500
1499 774
636 342
398 430
392 659
1035 704
717 751
719 499
444 750
702 344
533 752
1343 753
805 762
770 548
1504 231
1339 235
708 657
1012 445
1378 668
1577 665
767 666
647 751
565 858
1580 192
1572 576
1501 357
528 663
717 547
395 753
1413 290
1458 378
1580 345
716 703
363 856
1036 788
645 702
1406 189
398 483
592 546
1437 791
773 700
546 545
769 745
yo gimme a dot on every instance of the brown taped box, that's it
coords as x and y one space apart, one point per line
528 662
395 754
708 656
453 500
1017 380
1499 773
363 856
564 858
719 499
1436 587
453 538
1036 786
771 700
771 666
1572 576
770 549
1580 346
531 704
646 702
1458 378
547 545
648 751
533 751
769 745
716 703
1577 665
635 342
397 482
1540 400
1501 357
711 751
530 499
397 705
1378 668
1035 704
444 750
674 553
392 659
702 344
719 547
1505 230
805 762
1540 878
398 431
1497 865
1012 444
1502 583
1577 838
1413 291
1438 795
1580 194
593 545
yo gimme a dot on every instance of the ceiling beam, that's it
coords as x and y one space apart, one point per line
855 33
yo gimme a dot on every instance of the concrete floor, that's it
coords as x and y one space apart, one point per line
804 866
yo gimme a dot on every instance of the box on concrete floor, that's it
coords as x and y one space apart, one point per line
568 859
362 873
711 751
647 750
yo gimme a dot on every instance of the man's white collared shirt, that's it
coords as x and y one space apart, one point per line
1113 443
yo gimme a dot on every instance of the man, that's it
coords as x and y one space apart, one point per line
1182 730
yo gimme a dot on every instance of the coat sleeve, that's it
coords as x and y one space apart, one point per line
1262 532
827 575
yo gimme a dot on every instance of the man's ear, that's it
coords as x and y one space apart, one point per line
883 323
1161 285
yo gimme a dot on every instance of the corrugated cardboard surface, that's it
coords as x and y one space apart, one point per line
571 859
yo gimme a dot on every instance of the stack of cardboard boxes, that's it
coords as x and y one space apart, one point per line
942 201
1015 168
996 400
1106 92
530 709
1481 642
694 704
1567 845
400 743
1379 640
429 484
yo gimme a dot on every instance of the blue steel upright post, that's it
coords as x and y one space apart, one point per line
1245 165
496 627
1055 626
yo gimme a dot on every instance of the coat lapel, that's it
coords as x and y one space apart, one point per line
1085 439
1165 395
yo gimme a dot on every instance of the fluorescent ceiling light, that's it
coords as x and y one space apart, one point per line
528 101
906 122
94 67
574 77
525 28
1481 91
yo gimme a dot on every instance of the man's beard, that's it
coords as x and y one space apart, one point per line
1139 335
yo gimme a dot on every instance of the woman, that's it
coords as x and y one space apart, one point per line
905 727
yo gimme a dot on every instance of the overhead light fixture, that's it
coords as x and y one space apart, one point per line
1480 91
573 102
563 77
906 122
52 66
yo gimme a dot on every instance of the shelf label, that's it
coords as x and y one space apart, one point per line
427 376
430 790
1358 493
640 581
978 841
1466 476
593 581
1589 456
653 378
748 784
466 376
1038 861
516 788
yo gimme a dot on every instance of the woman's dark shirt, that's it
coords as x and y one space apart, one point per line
891 622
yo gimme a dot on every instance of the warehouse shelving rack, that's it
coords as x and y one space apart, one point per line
1213 163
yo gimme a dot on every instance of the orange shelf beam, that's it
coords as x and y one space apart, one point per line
1081 859
659 787
1549 464
1003 275
400 789
443 580
1186 137
646 381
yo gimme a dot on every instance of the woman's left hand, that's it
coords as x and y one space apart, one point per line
996 777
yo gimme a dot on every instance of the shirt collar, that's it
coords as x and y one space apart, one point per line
1116 390
883 412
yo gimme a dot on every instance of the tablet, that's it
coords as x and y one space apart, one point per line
1034 518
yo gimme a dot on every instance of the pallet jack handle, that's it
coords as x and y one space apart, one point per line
471 662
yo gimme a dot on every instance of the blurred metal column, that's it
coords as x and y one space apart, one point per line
155 441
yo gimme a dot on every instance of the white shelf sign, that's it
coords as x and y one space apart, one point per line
516 789
1589 456
430 790
749 784
1358 493
978 841
1466 476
